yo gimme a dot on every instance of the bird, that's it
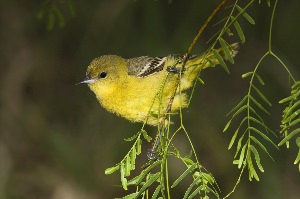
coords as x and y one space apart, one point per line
139 89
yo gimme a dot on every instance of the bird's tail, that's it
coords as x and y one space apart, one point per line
197 63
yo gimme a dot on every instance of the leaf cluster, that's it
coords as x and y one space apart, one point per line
291 118
52 12
251 130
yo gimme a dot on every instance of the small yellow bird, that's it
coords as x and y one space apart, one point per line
139 89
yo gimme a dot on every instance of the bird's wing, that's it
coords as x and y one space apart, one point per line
145 66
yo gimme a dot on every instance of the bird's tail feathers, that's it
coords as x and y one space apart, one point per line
197 63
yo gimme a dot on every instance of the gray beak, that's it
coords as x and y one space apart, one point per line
87 80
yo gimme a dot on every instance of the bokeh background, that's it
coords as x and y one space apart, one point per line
55 139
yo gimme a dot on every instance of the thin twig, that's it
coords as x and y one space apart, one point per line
184 60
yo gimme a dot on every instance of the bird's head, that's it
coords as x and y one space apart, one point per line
104 72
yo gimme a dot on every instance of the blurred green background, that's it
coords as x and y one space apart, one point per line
55 139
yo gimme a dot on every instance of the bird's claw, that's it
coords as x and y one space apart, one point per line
176 70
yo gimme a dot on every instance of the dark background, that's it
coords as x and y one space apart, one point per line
55 139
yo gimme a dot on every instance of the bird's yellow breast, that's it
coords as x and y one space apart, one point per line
138 99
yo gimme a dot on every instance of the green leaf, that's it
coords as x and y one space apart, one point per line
220 60
261 95
208 177
296 85
294 122
239 111
296 93
227 125
148 183
289 136
298 142
195 192
246 15
227 51
235 133
290 117
123 179
188 161
262 124
127 166
287 99
247 74
235 162
238 147
131 196
184 174
156 192
257 158
197 180
233 138
146 136
132 158
261 146
252 171
263 136
298 157
238 29
258 105
131 138
229 33
209 190
237 106
149 166
242 155
255 113
138 146
136 180
200 80
111 170
258 77
290 110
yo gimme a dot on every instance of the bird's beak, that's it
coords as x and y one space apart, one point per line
87 80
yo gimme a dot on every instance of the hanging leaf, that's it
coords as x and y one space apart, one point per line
263 136
247 74
235 133
246 15
149 182
227 51
261 146
289 136
220 60
183 175
237 106
111 170
197 191
258 105
197 180
242 155
156 192
257 158
261 95
238 29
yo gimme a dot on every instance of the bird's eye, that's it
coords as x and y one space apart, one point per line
102 75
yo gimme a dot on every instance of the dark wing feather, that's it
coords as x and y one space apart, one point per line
145 66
